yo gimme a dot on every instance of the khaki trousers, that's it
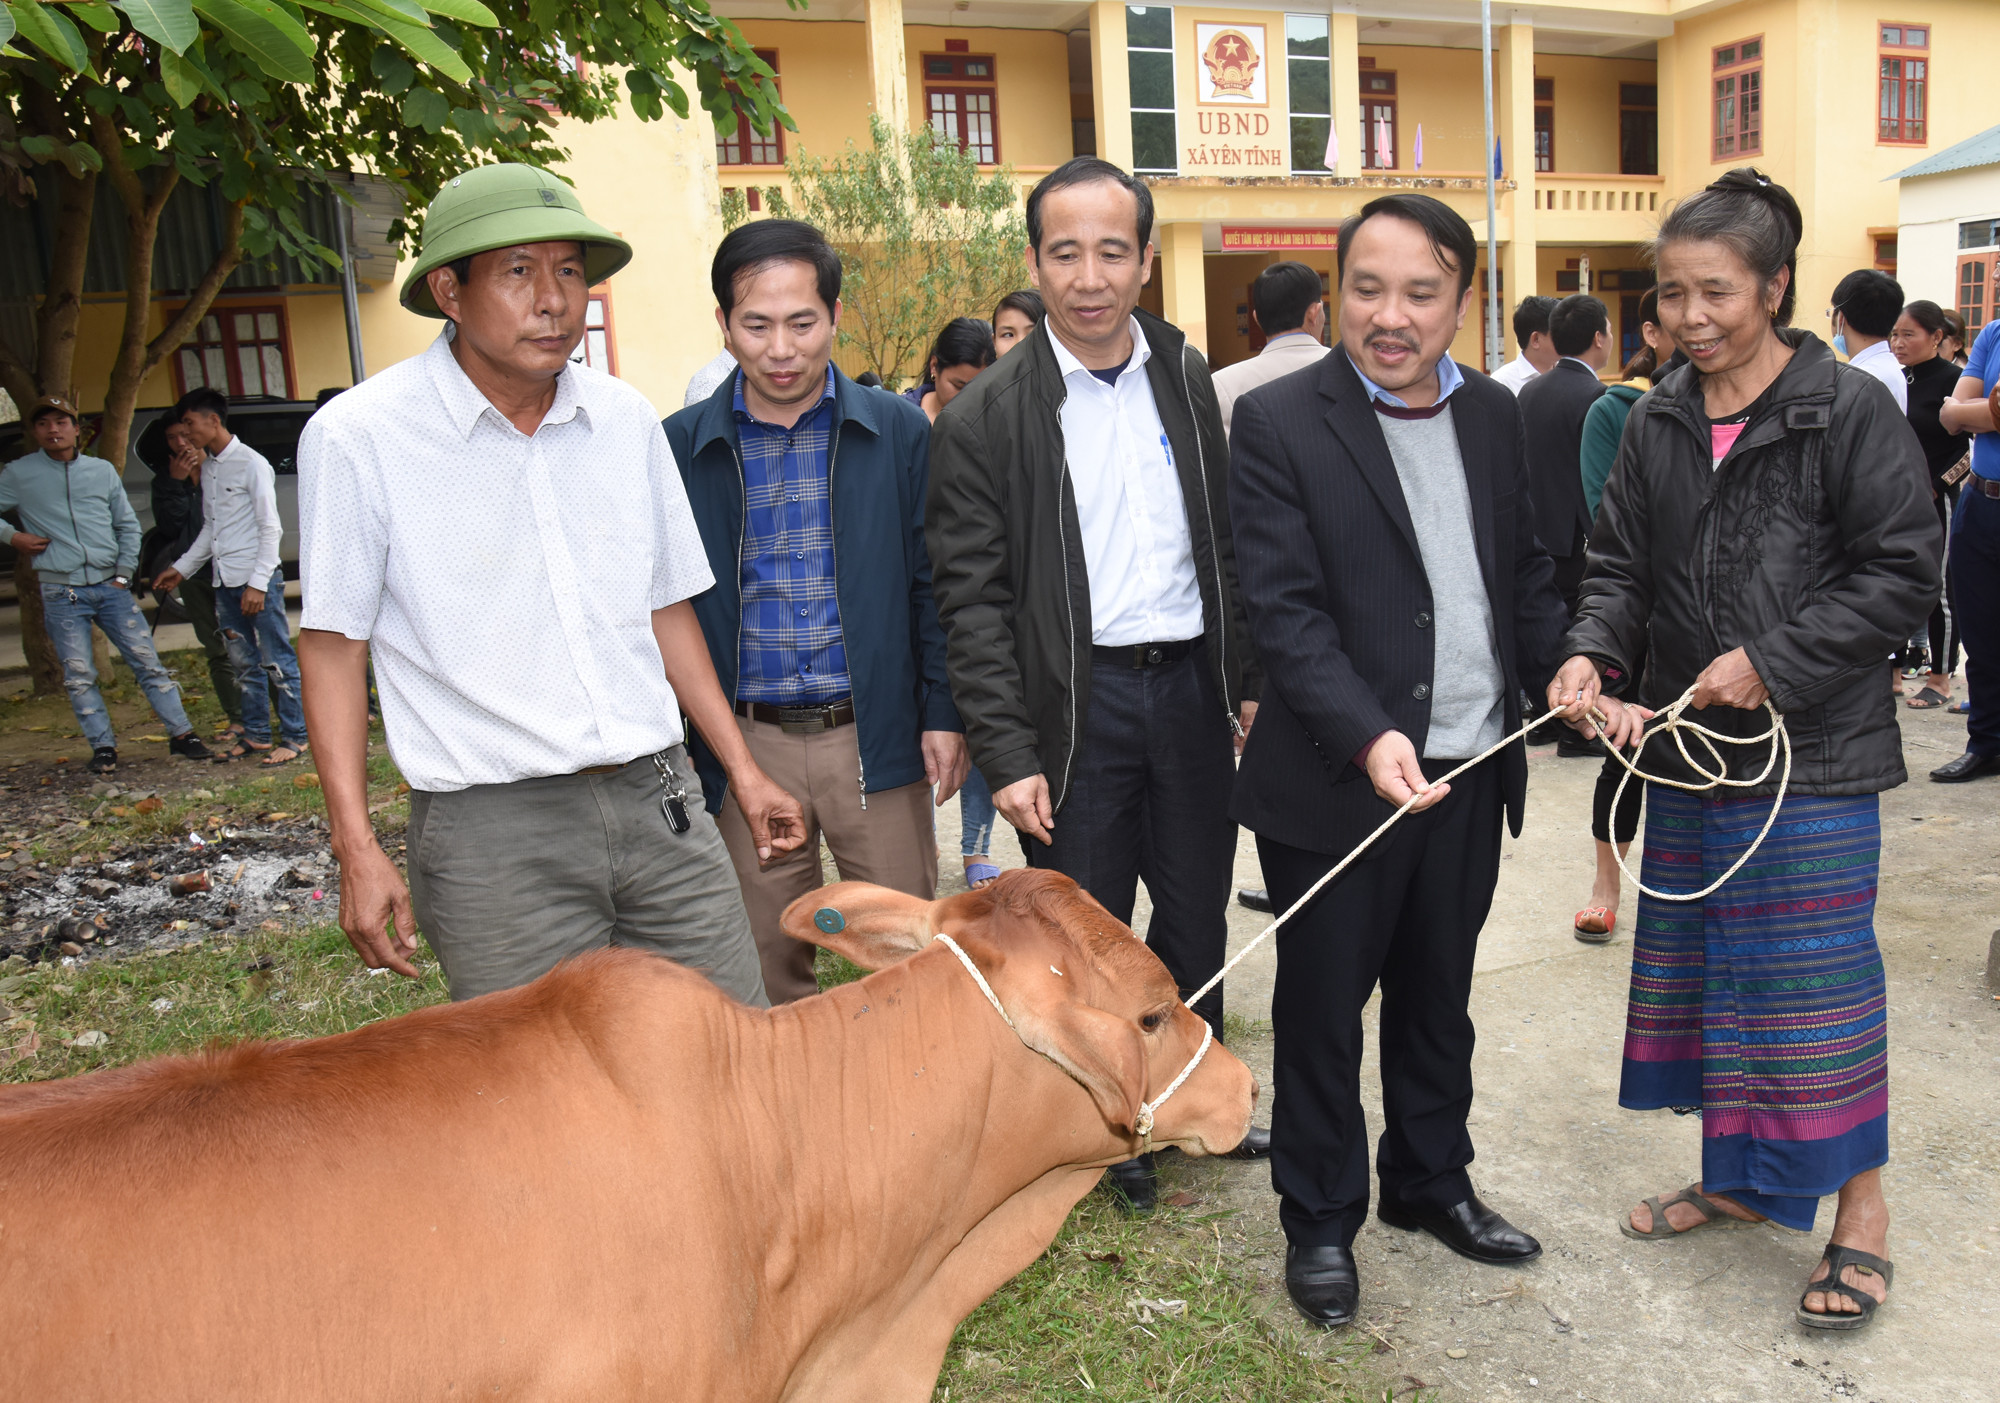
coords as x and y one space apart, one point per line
893 842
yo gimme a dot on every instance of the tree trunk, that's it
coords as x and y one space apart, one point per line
43 666
62 306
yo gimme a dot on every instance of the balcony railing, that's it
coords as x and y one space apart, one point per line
1598 194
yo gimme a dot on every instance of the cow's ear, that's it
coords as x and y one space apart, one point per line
1101 1050
872 926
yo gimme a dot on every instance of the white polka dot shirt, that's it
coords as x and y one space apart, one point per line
504 581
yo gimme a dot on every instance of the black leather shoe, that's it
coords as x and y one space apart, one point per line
1256 1144
1970 765
1255 898
1574 747
1323 1284
1549 733
1134 1185
1470 1229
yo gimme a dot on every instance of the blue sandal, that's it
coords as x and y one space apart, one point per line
978 874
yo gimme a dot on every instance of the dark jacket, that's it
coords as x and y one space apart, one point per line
1603 427
1340 606
1011 581
877 468
1553 407
1813 547
1930 384
176 522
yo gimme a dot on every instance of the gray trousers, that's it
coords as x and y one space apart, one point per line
510 879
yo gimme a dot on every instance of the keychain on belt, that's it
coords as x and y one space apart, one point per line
673 795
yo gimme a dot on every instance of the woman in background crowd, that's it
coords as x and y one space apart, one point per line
1014 316
1918 342
963 349
1603 426
1955 340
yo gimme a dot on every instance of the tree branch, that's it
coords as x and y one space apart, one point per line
204 293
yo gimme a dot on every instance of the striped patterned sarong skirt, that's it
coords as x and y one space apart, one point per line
1763 1006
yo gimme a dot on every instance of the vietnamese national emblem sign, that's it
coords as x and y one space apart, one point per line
1233 57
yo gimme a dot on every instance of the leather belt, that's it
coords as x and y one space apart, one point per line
800 720
1143 654
602 769
1984 486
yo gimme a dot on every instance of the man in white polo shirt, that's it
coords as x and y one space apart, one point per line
507 533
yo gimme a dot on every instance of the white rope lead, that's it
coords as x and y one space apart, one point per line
1668 720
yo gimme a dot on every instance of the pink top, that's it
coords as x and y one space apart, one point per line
1721 438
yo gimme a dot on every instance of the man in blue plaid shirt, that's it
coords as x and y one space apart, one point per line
809 493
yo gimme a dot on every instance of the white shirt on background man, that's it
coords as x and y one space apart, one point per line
1879 361
1282 354
1516 373
240 527
505 582
1136 543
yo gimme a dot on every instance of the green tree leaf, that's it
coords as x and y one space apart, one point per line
426 109
395 72
98 16
183 79
420 42
51 31
168 23
409 11
266 34
469 11
7 27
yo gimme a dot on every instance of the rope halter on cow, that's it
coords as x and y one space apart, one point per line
1142 1125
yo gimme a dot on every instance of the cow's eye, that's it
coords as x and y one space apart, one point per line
1152 1021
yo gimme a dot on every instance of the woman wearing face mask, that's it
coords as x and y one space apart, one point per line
1917 341
1766 533
963 349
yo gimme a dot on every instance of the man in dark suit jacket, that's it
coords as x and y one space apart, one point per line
1399 602
1553 407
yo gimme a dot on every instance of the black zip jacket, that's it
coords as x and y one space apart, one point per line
1007 560
1813 547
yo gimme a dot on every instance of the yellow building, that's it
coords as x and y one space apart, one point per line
1259 128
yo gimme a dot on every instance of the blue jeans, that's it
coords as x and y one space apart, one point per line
68 612
260 648
975 815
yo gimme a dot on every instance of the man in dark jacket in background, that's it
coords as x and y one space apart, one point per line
809 493
1085 573
176 463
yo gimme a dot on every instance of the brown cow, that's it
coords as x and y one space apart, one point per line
614 1183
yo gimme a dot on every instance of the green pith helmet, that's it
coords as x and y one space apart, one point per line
493 207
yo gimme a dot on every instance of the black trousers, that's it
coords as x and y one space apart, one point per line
1569 577
1406 915
1975 584
1148 800
1944 630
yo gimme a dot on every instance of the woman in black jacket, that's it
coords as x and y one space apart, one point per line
1917 342
1768 520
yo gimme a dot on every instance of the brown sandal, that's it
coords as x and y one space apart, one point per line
1712 1216
244 749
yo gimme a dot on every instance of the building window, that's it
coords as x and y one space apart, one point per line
1975 284
1904 84
742 146
1638 129
1309 66
1545 124
1738 107
961 102
242 351
1979 233
1378 120
596 350
1149 64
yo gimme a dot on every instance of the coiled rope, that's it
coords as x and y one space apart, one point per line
1667 721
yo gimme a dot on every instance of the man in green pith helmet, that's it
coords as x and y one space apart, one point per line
506 533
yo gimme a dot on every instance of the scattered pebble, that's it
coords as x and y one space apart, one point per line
160 1005
1455 1353
93 1038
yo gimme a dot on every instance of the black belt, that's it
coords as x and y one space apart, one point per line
1143 654
1984 486
800 720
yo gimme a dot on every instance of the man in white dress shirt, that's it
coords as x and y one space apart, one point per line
1865 306
1287 301
1082 562
508 534
1531 333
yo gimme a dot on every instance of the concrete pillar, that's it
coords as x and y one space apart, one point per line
887 68
1514 120
1183 280
1111 82
1346 51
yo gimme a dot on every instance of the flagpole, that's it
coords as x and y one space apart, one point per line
1493 343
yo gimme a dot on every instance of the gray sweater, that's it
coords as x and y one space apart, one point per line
1466 712
82 508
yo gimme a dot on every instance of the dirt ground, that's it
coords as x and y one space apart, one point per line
1705 1320
1599 1317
